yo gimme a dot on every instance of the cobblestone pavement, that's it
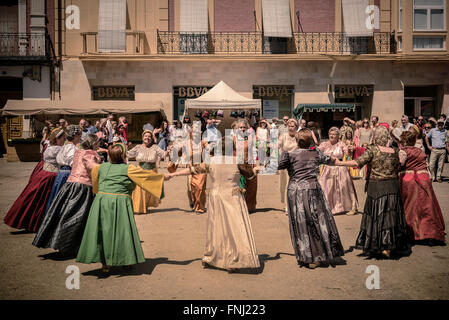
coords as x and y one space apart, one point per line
173 240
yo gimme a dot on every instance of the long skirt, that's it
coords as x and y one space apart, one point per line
357 153
37 169
63 225
28 210
61 178
313 230
142 200
111 236
251 194
339 189
196 191
353 171
229 236
422 210
383 225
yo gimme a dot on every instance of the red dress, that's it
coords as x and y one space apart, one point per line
28 210
40 164
422 211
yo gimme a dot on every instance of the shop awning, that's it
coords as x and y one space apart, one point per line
33 107
222 96
322 107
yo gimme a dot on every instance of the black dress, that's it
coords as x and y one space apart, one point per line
313 230
383 225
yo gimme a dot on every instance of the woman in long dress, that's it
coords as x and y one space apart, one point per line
349 153
365 138
229 237
336 182
196 183
422 210
28 210
111 236
65 160
146 154
287 142
263 139
245 134
313 230
383 229
63 225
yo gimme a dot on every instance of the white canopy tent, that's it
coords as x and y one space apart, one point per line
221 97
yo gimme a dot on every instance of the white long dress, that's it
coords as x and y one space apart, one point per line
229 236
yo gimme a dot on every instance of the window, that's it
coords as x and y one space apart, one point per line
400 43
194 24
427 15
400 14
428 43
112 26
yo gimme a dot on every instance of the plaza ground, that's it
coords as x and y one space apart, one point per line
173 240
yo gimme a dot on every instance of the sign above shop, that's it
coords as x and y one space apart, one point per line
191 92
350 91
272 91
113 93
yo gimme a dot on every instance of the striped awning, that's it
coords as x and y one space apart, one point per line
322 107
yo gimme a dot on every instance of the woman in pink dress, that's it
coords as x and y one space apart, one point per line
63 226
336 182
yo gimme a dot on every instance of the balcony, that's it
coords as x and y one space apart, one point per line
25 47
332 43
135 43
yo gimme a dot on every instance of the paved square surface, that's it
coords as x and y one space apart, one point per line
173 240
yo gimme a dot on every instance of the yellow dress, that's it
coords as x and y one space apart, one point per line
146 157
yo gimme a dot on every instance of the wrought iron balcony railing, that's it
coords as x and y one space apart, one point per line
25 45
135 42
255 43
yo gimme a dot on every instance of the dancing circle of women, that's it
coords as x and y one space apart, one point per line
80 206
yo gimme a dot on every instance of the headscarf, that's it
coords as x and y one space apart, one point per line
71 131
386 125
89 142
381 136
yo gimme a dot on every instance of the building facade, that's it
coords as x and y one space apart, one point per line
335 58
26 60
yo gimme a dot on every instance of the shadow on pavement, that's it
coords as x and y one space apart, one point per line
58 256
153 210
265 210
21 232
146 267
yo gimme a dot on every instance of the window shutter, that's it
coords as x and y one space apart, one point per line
112 26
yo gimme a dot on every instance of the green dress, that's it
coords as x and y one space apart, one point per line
111 235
